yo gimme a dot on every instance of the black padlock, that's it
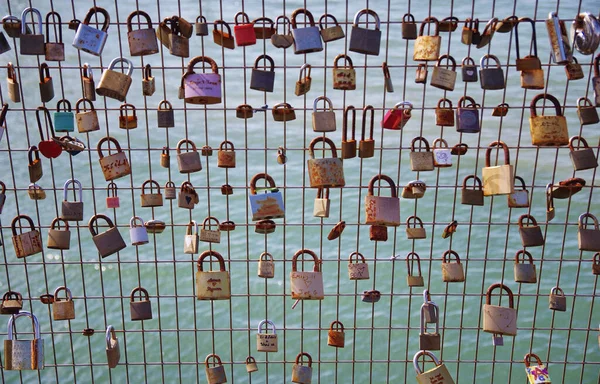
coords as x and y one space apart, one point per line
469 70
409 27
467 116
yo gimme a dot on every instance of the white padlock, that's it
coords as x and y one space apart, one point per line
138 232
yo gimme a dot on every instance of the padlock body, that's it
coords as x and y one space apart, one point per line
499 320
469 73
63 310
213 285
180 46
498 180
90 39
109 242
443 78
548 130
583 159
427 48
321 207
344 79
210 236
266 342
363 40
149 86
472 197
307 40
244 35
442 157
409 30
58 239
113 202
142 42
54 51
27 243
262 80
113 353
115 166
413 233
201 29
306 285
588 115
421 161
491 78
202 88
444 117
452 272
382 210
302 87
32 44
378 233
22 355
335 338
64 122
326 172
574 71
323 121
332 33
349 149
189 162
557 302
366 148
140 310
72 210
430 341
266 269
165 118
588 239
358 271
151 199
301 374
525 273
14 91
138 235
415 281
114 84
46 90
532 79
439 374
531 236
395 118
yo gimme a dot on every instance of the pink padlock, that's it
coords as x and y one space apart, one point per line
112 199
244 31
397 117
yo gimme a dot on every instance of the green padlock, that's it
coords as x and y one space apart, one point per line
64 120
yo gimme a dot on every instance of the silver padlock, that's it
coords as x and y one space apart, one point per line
31 44
323 121
90 39
429 309
23 354
137 233
14 90
113 352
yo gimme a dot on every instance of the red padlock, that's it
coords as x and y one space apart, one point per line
397 117
244 31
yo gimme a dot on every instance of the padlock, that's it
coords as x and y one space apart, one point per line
185 27
263 79
587 112
12 303
266 266
466 36
12 26
596 264
282 40
142 309
113 352
377 233
472 196
497 340
389 86
500 110
244 30
444 78
188 197
155 226
244 111
536 374
264 28
499 179
397 117
115 84
269 203
72 210
71 145
459 149
441 155
452 272
444 114
358 270
26 243
550 212
206 150
414 190
325 172
142 42
165 115
438 375
251 364
188 161
366 145
46 84
202 88
349 145
449 24
148 81
226 155
497 319
335 334
36 192
113 166
109 241
306 39
488 33
567 188
421 74
415 229
467 116
2 195
212 285
430 341
449 229
380 210
506 25
89 86
112 199
520 197
22 355
163 33
372 296
364 40
330 33
152 199
306 285
427 47
322 203
524 269
14 90
31 44
179 43
421 160
409 27
429 310
207 234
49 148
588 239
491 78
302 373
548 130
63 121
266 342
191 238
59 239
74 24
126 120
530 62
226 189
90 39
54 51
63 309
344 78
531 233
413 280
557 301
35 164
574 70
170 191
304 80
469 70
584 158
476 35
201 27
281 157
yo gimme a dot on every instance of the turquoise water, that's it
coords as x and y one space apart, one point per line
381 338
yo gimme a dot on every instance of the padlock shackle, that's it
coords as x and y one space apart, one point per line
488 294
586 102
596 259
147 72
186 185
449 24
317 262
139 14
17 219
285 20
24 21
92 11
410 261
2 188
523 255
323 193
225 144
105 139
476 180
133 222
265 58
488 152
268 322
359 257
223 24
245 18
546 96
87 71
580 140
338 326
347 60
34 323
424 353
429 20
44 72
55 16
441 141
95 218
305 68
12 295
139 289
188 142
328 105
527 359
521 181
324 18
263 21
152 184
427 297
169 184
468 61
111 188
446 258
125 107
529 218
75 182
442 103
110 335
408 18
211 253
349 108
193 224
379 177
265 256
116 60
549 197
367 12
216 360
367 109
448 59
63 102
414 220
584 217
557 291
208 220
260 176
326 140
300 356
165 103
67 291
462 100
31 152
484 62
533 35
386 70
57 220
421 140
306 12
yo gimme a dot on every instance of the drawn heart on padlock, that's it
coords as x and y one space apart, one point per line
470 72
49 149
188 199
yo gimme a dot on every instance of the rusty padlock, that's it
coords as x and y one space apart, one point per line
524 272
467 116
507 24
170 191
148 81
421 74
12 303
582 158
466 36
282 40
413 280
46 85
377 232
90 39
264 28
113 352
221 37
89 86
244 111
519 198
326 171
263 79
14 90
530 62
366 145
142 41
414 190
497 319
126 120
365 40
596 264
588 239
301 373
531 233
488 33
54 51
349 145
335 334
452 272
500 110
115 84
12 26
380 210
31 43
421 160
23 354
548 130
449 24
358 270
35 164
444 78
283 112
397 117
389 86
344 78
266 266
427 47
304 80
587 112
226 155
165 115
244 30
409 27
63 309
491 78
57 238
226 190
415 229
330 33
469 70
142 309
574 70
444 114
557 301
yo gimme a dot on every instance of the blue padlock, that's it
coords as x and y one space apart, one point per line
64 120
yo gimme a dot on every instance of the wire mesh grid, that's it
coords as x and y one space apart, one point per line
381 338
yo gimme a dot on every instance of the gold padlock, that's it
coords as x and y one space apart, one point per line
427 48
349 145
452 272
46 84
304 80
548 130
212 285
413 280
251 364
14 90
466 36
87 120
266 342
226 155
335 335
148 81
165 158
115 84
437 375
415 229
524 272
499 179
152 199
366 145
444 78
63 309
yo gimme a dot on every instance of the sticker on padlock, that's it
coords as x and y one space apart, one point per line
538 373
442 157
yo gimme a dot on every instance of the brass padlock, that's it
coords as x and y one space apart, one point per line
442 157
452 272
500 110
72 210
222 38
409 27
389 86
264 28
226 155
59 239
302 373
207 234
533 79
530 62
415 229
188 161
413 280
427 48
54 51
491 78
444 114
322 203
524 269
35 164
497 319
90 39
519 198
472 196
35 192
466 36
281 157
148 81
14 90
152 199
107 242
165 158
421 160
113 352
163 32
330 33
449 24
588 239
444 78
115 84
548 130
574 70
23 354
31 44
349 145
165 115
12 26
430 341
323 121
596 264
244 111
46 85
414 190
421 74
377 233
304 80
188 197
365 40
344 78
112 199
89 86
282 40
266 266
142 309
469 70
12 303
587 112
531 233
439 374
63 309
467 116
263 79
358 270
251 364
170 191
201 27
266 342
26 243
142 41
582 158
212 285
335 335
557 301
506 25
283 112
127 121
366 145
499 179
